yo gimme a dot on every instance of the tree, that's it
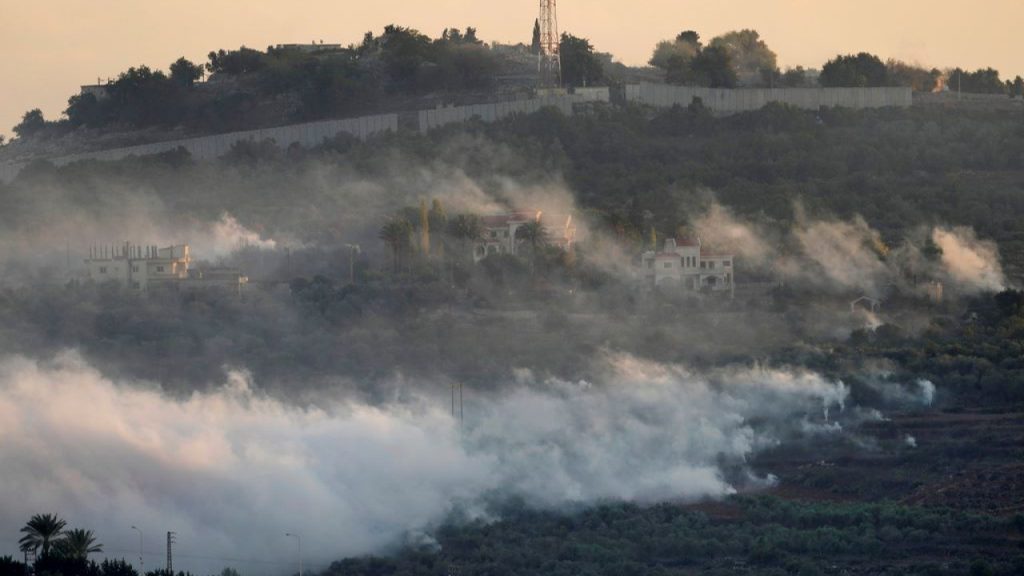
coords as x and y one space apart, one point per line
535 236
672 52
794 78
41 532
854 71
424 228
438 224
185 73
750 57
981 81
1017 88
31 123
463 66
84 110
78 543
403 52
395 233
117 568
11 567
713 67
465 229
144 97
241 61
916 77
535 43
580 66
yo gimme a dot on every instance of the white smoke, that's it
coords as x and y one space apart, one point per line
970 262
227 235
851 256
231 471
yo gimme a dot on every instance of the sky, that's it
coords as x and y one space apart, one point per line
54 46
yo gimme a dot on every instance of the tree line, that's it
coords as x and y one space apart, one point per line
401 62
55 550
742 58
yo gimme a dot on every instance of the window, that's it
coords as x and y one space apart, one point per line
711 265
136 285
159 268
668 264
494 233
505 233
103 269
650 263
727 263
703 265
135 268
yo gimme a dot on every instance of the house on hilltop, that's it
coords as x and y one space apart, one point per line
500 232
686 263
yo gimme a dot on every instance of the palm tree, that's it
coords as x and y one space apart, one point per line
465 229
41 531
78 543
535 235
395 233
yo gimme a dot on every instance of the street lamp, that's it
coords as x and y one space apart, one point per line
298 542
142 565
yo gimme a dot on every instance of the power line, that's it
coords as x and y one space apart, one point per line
228 559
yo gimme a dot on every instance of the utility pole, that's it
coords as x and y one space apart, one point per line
142 564
170 547
353 249
298 543
458 414
549 62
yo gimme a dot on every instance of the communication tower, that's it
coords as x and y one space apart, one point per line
549 63
170 547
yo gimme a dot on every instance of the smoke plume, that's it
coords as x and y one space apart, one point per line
232 470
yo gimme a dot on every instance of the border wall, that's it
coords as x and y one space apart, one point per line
314 133
9 171
492 112
731 101
210 147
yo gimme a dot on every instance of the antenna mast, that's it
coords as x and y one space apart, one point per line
170 545
549 63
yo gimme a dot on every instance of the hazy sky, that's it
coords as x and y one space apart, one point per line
53 46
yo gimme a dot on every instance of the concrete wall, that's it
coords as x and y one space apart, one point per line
729 101
436 118
314 133
210 147
9 171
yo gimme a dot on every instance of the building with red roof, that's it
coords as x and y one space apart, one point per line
687 264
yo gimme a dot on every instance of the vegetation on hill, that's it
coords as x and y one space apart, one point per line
249 88
752 535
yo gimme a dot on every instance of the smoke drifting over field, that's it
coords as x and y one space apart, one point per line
851 256
231 470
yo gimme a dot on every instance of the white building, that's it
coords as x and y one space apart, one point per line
147 268
499 232
687 264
